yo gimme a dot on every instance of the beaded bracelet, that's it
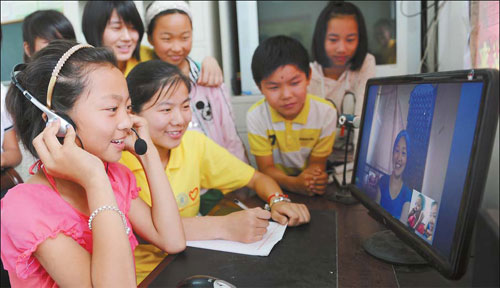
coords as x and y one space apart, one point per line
108 207
275 195
279 199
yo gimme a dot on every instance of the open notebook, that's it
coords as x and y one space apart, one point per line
263 247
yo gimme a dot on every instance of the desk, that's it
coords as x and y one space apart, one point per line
305 257
355 267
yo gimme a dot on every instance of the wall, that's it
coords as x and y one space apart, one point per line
453 30
12 49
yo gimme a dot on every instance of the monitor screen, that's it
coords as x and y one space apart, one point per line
418 163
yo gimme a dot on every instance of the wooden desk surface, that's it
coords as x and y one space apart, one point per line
355 267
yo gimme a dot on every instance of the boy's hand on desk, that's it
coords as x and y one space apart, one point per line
293 213
320 180
305 183
246 226
312 181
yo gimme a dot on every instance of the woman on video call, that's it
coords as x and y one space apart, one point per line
392 193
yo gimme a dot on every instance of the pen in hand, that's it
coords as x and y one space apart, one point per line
244 207
240 204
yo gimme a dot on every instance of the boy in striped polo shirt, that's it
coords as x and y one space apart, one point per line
291 133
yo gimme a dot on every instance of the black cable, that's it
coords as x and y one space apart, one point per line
418 13
425 34
80 139
345 156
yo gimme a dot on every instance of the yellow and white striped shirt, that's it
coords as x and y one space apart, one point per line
292 142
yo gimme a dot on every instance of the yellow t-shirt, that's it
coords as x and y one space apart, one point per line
146 54
196 163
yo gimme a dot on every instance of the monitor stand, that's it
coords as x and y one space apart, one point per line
386 246
338 193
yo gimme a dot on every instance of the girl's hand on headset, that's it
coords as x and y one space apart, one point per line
67 160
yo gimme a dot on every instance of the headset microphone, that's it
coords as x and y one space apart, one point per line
349 120
140 146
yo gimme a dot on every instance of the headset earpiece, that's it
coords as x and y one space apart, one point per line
67 118
52 116
63 118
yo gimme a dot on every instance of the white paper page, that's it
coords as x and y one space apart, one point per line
263 247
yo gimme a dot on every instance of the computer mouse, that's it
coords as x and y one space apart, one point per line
204 281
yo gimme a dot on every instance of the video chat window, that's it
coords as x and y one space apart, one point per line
420 138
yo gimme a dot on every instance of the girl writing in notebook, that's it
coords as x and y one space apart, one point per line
160 93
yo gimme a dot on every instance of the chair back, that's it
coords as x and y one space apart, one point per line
9 179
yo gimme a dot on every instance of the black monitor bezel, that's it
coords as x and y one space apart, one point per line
484 137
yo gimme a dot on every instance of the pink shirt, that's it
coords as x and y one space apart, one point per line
354 81
31 213
335 90
213 116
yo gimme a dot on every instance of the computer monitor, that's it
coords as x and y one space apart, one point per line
424 149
